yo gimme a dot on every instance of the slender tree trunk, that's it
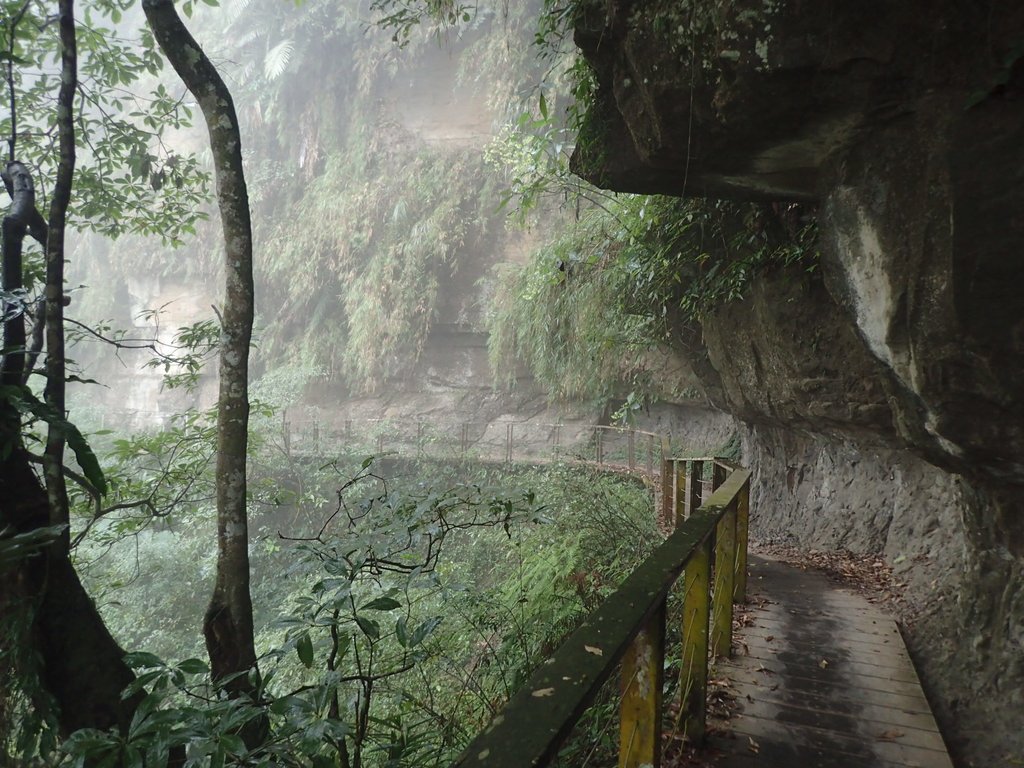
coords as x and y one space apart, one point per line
78 662
53 464
228 625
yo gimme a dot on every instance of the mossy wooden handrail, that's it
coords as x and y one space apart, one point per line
629 625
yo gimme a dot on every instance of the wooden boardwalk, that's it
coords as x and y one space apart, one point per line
822 680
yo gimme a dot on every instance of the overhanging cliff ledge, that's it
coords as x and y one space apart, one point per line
904 123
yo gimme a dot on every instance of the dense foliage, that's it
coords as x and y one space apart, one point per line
395 618
585 312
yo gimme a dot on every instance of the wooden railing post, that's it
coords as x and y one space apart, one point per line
718 475
650 454
695 487
508 442
681 487
600 446
693 674
640 710
739 588
725 565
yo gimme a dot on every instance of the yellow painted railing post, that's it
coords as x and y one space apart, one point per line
725 563
695 487
739 588
680 511
641 708
693 674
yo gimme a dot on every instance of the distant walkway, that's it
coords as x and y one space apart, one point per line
822 680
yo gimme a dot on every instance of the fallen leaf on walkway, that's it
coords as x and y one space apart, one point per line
753 746
593 649
542 692
890 735
823 663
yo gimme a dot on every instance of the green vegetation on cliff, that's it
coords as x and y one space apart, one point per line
629 275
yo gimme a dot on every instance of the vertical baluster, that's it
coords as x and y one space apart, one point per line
650 454
667 478
725 565
693 682
695 487
631 449
641 706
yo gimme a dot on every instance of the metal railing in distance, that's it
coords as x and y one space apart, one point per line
708 547
505 440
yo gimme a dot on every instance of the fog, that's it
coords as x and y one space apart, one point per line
378 225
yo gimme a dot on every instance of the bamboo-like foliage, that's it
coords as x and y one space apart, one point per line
590 306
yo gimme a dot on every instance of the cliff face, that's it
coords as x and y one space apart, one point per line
905 357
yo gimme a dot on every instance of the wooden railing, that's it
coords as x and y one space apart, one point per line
709 549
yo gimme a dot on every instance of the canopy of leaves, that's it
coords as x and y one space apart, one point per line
127 178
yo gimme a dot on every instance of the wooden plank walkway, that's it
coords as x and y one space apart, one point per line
822 680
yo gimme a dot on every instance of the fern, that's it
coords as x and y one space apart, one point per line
277 60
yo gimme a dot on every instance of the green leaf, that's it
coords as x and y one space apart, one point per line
402 632
138 659
304 648
370 627
233 744
382 604
86 458
14 59
194 667
543 107
424 630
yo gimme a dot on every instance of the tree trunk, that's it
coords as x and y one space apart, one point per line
53 458
228 625
23 200
78 662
